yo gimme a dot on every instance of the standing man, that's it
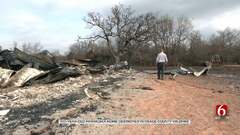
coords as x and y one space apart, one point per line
161 61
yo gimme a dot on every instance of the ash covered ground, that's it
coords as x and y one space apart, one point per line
125 94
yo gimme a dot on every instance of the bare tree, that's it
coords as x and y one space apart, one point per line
182 31
162 33
137 34
229 37
32 48
226 44
198 51
171 34
105 28
121 29
81 49
56 53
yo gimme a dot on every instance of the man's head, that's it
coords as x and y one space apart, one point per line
161 50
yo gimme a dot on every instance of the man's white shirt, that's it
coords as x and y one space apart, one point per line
161 58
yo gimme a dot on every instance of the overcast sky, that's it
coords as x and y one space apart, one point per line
56 23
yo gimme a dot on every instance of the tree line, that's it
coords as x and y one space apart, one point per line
122 34
125 35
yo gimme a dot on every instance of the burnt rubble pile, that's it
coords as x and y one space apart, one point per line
18 68
26 107
68 84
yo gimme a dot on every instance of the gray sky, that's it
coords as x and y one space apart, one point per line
56 23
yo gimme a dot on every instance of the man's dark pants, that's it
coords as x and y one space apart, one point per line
160 69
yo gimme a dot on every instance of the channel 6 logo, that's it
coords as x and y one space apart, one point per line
221 110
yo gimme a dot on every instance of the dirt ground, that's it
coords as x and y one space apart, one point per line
128 95
183 98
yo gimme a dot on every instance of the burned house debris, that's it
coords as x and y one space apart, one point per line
54 75
185 71
18 68
5 75
16 59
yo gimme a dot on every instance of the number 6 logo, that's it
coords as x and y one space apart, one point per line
221 110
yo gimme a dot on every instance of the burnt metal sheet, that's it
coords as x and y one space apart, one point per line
54 75
5 75
35 61
9 60
22 76
17 59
